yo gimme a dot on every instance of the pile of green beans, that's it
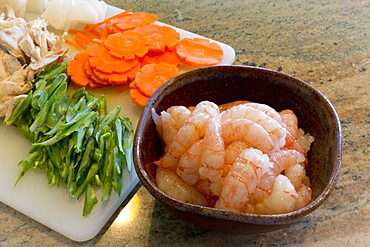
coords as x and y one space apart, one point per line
74 138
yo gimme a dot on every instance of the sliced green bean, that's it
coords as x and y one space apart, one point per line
90 201
27 163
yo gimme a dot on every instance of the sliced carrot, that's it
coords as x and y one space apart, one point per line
131 50
106 32
82 40
127 45
74 44
169 57
133 20
96 32
152 76
161 37
102 60
199 51
138 97
76 70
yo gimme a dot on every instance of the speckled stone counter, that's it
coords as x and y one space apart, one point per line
325 43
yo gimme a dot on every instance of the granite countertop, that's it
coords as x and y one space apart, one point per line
325 43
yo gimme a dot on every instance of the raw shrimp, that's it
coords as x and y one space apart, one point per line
179 115
247 131
213 154
192 130
232 152
242 179
188 166
282 161
174 186
172 120
290 121
268 110
281 200
272 127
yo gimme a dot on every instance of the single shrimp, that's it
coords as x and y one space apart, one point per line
188 166
242 179
172 120
248 131
192 130
179 115
290 121
233 150
174 186
272 127
282 199
213 154
282 161
268 110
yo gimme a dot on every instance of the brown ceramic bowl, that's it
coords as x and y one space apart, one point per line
222 84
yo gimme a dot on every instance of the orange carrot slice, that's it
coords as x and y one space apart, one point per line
133 20
138 97
199 51
152 76
128 45
102 60
160 36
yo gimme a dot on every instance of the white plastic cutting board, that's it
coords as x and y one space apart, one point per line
51 205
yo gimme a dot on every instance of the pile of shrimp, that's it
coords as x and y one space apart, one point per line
241 156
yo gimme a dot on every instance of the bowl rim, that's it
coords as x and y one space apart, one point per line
260 219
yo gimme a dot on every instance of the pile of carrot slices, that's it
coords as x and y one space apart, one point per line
130 49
